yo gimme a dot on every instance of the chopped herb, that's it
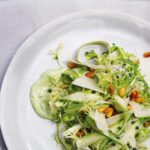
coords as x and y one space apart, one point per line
49 90
119 128
137 127
113 144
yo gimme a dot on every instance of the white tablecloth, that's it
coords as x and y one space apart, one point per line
20 18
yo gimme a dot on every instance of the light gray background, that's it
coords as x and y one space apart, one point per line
20 18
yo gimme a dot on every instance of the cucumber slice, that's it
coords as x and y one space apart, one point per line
61 127
40 95
88 140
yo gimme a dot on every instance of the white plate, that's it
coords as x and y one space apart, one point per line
21 127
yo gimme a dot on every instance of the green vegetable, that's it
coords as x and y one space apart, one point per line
56 53
92 123
88 140
89 116
112 146
116 118
143 134
81 97
71 74
73 108
103 143
80 71
91 54
61 127
129 135
40 95
71 132
121 126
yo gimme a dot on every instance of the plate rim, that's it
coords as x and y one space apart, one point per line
36 34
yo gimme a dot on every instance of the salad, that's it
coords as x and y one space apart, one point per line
99 101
